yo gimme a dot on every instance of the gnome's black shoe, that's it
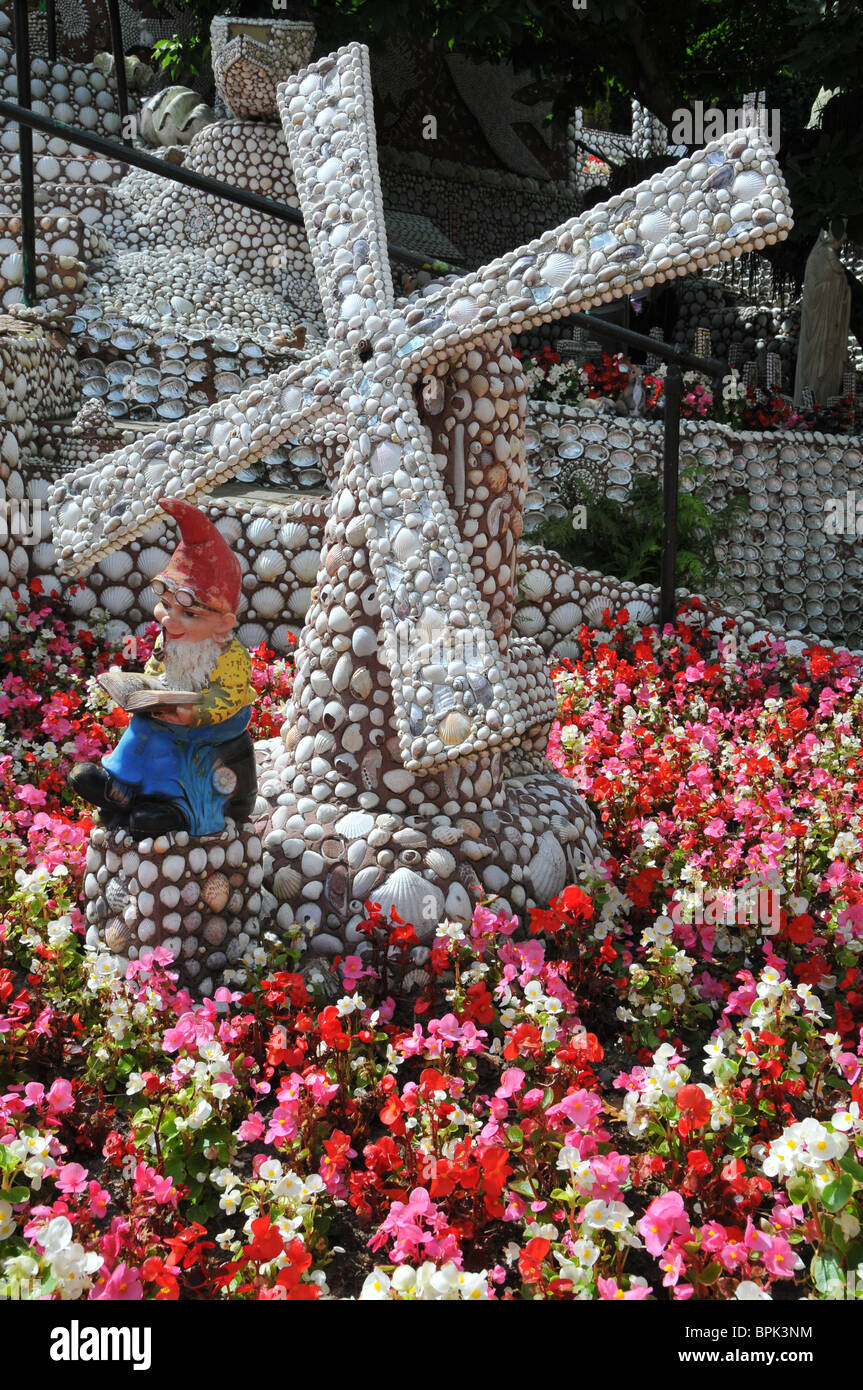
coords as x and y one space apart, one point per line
152 816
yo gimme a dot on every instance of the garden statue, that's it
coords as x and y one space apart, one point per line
824 319
632 398
186 759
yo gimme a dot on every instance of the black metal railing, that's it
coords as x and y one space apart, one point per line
29 120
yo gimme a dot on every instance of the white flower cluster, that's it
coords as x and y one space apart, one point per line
427 1284
808 1145
68 1263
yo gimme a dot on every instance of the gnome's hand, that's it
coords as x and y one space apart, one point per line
180 715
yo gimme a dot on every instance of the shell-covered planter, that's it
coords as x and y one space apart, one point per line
251 56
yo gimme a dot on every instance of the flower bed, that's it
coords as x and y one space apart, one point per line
651 1093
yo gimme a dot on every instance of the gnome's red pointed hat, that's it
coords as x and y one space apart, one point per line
202 562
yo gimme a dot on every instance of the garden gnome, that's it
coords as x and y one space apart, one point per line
824 319
184 765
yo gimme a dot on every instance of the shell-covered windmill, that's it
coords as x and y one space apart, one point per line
411 765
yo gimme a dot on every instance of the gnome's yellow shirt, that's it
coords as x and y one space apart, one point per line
228 689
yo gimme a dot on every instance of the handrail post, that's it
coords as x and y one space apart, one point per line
119 66
670 484
51 20
25 152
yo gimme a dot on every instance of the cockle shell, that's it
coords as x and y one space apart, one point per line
446 834
252 634
440 861
355 825
454 728
116 894
117 936
216 891
287 883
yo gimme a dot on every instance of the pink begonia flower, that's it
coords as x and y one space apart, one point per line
30 795
579 1108
122 1285
665 1217
608 1288
511 1081
779 1258
98 1198
60 1098
715 829
71 1179
251 1129
531 1099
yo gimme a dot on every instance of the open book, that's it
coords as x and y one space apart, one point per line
133 691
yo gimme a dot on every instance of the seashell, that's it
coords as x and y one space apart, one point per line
215 891
118 936
116 599
446 834
230 528
355 825
370 769
406 544
267 602
287 883
305 565
415 899
547 868
251 635
557 269
116 894
454 727
440 861
640 611
653 226
361 683
116 565
336 888
529 620
594 609
566 617
261 530
293 535
536 583
270 564
366 880
299 602
415 979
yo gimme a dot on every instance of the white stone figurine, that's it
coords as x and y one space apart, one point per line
824 319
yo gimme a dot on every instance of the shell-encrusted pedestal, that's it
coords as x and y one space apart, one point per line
523 844
201 898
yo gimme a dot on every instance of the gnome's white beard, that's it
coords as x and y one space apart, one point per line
188 664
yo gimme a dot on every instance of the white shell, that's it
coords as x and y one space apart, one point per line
287 883
261 530
230 528
252 634
640 611
152 561
293 535
355 825
547 869
536 583
280 637
594 609
566 617
299 602
82 601
529 621
557 269
653 226
270 564
116 599
267 602
415 899
440 861
306 565
446 834
115 565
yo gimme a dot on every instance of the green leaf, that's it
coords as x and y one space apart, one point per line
849 1165
16 1195
836 1194
828 1276
710 1274
515 1136
799 1189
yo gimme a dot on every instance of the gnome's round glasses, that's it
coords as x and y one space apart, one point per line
184 597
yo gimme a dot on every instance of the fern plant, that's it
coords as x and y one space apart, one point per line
625 538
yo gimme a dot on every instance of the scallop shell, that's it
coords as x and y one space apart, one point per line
117 936
116 599
557 269
653 226
215 891
270 564
536 583
230 528
415 979
306 565
547 868
152 561
566 617
454 727
293 535
116 565
267 602
287 883
529 621
640 611
415 899
594 609
299 602
440 861
406 544
355 825
261 531
252 635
